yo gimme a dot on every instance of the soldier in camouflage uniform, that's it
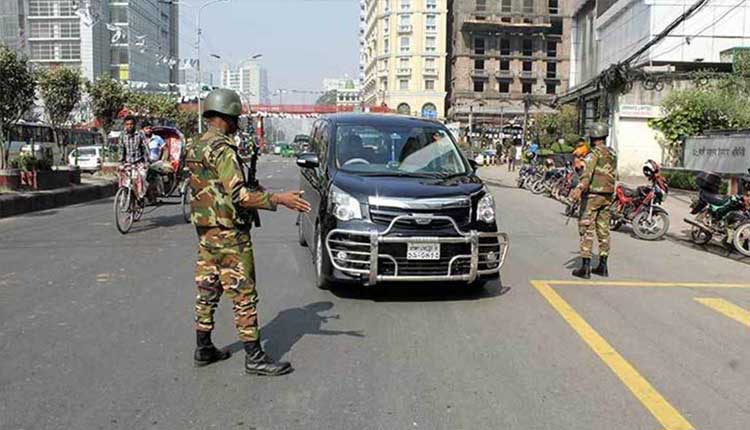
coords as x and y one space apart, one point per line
596 192
221 210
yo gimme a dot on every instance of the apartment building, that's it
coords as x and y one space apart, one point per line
249 79
506 54
405 56
55 33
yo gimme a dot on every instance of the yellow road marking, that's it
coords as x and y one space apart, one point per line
727 308
640 284
659 407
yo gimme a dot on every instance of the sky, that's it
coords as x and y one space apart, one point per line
302 41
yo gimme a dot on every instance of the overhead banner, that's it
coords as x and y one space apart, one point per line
718 153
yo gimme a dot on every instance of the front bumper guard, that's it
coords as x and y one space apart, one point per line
375 238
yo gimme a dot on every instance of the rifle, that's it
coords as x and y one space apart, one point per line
252 179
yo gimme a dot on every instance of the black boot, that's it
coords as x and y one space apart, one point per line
258 363
205 352
585 270
601 269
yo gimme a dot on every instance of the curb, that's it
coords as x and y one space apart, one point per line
16 204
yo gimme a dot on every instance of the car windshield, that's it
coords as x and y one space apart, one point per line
397 150
86 152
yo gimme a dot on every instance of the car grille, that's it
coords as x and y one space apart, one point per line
384 216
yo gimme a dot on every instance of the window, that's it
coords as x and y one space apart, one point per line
405 45
70 51
429 84
504 47
557 26
481 5
404 109
528 6
478 46
430 44
403 84
405 4
42 29
403 63
431 4
429 63
506 19
429 110
504 64
118 14
431 23
526 87
528 49
386 25
552 49
385 85
70 29
552 6
504 87
526 66
551 89
505 7
478 64
478 86
42 51
551 70
404 19
386 46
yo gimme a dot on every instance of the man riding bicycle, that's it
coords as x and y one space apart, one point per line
134 152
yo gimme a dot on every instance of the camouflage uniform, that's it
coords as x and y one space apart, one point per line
598 187
225 252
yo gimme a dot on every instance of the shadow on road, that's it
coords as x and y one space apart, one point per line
424 292
713 247
291 325
147 224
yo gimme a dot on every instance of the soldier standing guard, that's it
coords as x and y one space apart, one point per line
222 211
596 192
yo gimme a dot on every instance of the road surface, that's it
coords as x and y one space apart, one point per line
96 333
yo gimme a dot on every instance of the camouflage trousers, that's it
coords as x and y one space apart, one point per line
595 220
225 265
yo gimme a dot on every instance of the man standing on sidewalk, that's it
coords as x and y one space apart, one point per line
596 192
512 157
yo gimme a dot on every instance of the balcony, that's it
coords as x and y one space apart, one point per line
405 29
504 74
501 24
403 71
527 75
430 71
382 73
479 73
551 76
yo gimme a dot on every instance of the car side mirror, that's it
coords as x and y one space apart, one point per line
308 160
473 163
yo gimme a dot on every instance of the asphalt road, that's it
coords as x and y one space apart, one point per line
96 333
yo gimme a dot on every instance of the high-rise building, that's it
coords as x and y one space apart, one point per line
362 30
57 33
405 55
144 36
508 56
249 79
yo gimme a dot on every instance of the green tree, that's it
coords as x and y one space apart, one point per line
17 87
327 99
60 89
108 98
187 122
548 128
153 105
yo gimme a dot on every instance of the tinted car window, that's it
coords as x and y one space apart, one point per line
397 149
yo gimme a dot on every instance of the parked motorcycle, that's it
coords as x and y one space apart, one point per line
640 207
723 217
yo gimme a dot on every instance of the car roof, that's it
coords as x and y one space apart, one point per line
380 120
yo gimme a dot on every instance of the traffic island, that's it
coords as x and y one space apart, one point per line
16 203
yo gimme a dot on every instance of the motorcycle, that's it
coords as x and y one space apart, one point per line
724 217
640 208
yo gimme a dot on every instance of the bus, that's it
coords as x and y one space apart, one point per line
25 134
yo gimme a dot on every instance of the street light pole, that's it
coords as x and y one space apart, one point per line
198 53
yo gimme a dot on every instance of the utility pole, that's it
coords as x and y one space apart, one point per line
198 53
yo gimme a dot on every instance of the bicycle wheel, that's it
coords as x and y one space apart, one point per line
123 208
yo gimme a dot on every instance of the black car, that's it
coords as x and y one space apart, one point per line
393 199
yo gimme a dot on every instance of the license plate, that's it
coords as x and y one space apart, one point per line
423 251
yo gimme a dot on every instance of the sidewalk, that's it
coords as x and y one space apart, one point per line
677 205
91 188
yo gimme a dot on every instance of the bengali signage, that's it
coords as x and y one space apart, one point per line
639 111
718 153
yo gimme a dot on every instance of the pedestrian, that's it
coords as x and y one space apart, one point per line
222 211
596 192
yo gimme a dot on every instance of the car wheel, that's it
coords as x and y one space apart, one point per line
322 265
300 233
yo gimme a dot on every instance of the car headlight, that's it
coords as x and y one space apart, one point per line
486 208
344 207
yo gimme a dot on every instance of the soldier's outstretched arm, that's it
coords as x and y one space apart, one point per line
230 172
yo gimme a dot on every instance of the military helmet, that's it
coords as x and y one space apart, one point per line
598 130
223 101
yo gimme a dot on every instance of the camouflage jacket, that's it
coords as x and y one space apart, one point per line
217 183
600 173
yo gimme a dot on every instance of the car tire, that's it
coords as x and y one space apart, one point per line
322 263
